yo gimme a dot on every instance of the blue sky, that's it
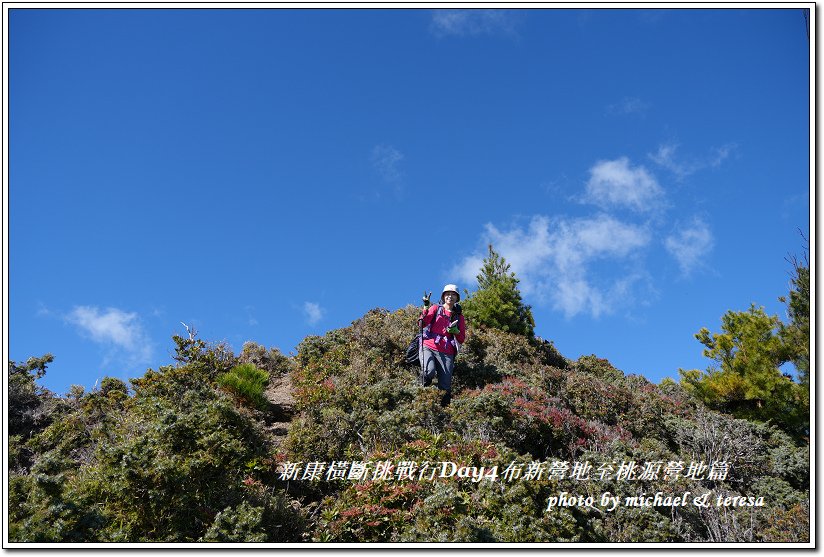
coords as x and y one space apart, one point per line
269 174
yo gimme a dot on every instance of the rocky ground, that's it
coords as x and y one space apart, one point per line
279 393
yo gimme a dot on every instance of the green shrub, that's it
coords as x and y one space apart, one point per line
790 525
526 419
637 524
237 524
711 436
490 354
246 382
271 361
31 407
599 367
174 462
788 461
595 399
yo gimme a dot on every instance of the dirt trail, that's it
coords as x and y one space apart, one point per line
279 393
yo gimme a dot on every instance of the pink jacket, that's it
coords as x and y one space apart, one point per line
438 339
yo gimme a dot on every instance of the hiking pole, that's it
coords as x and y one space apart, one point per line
420 350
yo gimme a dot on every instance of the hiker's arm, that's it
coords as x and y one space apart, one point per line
425 317
461 336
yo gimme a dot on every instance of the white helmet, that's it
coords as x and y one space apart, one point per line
450 288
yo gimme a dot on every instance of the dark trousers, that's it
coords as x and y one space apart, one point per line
440 365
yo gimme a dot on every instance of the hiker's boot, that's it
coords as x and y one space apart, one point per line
446 398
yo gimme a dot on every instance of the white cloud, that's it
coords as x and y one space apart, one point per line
721 153
665 157
595 265
683 166
555 259
524 250
615 184
114 328
690 245
385 160
628 105
250 319
313 312
472 22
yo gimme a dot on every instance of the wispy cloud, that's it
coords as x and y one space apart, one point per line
474 22
794 203
313 312
250 318
120 331
555 260
683 166
628 106
719 154
594 265
690 244
386 162
665 157
615 184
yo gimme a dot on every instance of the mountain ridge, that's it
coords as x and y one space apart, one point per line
350 448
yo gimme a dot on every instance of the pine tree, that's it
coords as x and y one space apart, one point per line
497 302
796 333
747 380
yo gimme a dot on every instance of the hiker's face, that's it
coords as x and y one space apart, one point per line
450 297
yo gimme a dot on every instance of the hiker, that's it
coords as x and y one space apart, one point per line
446 331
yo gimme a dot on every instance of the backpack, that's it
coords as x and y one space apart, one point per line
413 355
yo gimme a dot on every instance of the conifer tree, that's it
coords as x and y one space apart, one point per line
796 333
497 302
747 380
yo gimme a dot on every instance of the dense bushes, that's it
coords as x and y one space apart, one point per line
520 397
184 454
444 510
175 460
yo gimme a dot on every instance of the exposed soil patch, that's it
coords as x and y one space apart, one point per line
279 394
